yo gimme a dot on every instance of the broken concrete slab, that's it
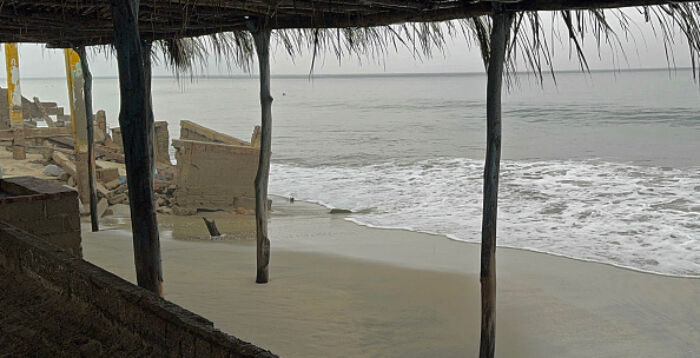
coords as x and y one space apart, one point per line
214 171
120 210
107 174
193 131
102 207
65 163
215 176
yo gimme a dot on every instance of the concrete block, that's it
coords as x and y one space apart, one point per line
55 225
66 240
63 206
102 207
106 174
44 208
12 211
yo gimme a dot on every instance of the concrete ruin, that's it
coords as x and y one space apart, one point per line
214 171
161 141
33 111
43 208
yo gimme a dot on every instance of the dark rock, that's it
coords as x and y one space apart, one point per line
340 211
53 170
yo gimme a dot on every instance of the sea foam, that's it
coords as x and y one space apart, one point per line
646 218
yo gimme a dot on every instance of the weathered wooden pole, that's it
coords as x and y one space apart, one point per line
499 39
135 120
78 114
14 98
261 36
89 116
146 47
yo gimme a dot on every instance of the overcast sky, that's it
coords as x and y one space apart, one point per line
646 51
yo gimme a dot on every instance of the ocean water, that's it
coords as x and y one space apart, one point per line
602 167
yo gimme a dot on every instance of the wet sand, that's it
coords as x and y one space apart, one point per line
339 290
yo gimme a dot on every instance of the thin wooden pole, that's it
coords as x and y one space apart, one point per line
261 37
14 98
499 38
146 47
135 120
89 116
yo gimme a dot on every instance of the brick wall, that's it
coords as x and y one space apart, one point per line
44 208
123 309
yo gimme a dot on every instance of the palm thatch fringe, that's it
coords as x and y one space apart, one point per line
531 46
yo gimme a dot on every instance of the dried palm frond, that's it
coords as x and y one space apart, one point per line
532 41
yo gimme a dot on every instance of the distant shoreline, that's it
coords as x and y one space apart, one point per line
383 75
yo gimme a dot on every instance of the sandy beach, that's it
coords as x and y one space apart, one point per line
342 290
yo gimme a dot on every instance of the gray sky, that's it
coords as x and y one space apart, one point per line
36 61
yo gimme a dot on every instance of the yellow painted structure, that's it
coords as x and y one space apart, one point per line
14 92
76 96
14 98
78 115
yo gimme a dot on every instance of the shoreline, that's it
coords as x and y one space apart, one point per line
528 249
339 289
499 246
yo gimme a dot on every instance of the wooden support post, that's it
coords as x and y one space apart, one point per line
498 42
87 96
14 99
146 47
135 120
78 115
261 36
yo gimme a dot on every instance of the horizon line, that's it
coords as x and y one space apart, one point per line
378 74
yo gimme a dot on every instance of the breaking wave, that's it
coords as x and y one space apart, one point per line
646 218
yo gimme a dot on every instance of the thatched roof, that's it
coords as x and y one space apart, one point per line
190 31
64 23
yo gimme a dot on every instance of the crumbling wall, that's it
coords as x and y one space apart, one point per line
29 109
117 137
151 325
161 141
214 176
193 131
44 208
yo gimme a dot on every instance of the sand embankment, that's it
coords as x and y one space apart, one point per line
341 290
